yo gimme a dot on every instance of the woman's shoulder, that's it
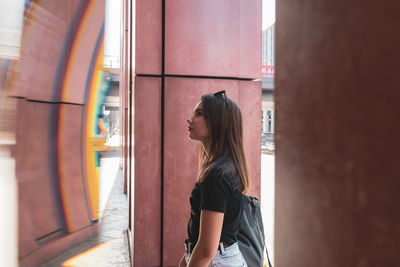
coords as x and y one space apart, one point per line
223 173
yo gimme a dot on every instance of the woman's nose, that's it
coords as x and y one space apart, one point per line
190 121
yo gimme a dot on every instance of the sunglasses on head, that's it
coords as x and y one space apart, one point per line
220 94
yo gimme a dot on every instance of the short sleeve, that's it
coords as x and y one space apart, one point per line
216 193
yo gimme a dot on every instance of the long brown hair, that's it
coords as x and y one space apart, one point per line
224 121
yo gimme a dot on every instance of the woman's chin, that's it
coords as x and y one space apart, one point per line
192 137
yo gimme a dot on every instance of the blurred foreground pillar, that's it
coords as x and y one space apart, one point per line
337 134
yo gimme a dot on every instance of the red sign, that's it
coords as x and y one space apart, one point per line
268 70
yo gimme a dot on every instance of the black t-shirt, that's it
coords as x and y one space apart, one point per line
216 193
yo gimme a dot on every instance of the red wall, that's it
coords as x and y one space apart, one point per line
205 42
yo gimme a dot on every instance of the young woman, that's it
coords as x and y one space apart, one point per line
222 179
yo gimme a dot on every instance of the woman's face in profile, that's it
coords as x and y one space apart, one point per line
197 128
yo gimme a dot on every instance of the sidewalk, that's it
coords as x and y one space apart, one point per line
110 247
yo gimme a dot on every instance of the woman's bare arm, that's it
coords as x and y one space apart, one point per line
209 236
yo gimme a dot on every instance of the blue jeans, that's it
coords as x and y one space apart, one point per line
230 257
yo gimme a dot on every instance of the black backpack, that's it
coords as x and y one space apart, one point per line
251 237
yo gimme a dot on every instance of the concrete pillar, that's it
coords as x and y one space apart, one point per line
337 174
264 119
272 121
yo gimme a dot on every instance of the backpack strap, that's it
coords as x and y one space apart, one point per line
253 204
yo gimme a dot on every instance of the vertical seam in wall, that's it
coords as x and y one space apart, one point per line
130 105
162 130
